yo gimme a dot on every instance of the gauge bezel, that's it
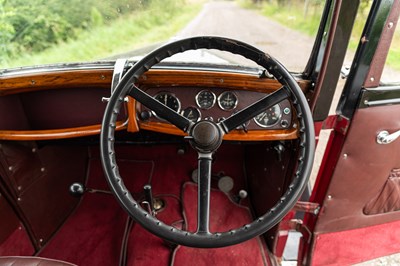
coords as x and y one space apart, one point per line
198 119
171 94
198 95
269 126
236 100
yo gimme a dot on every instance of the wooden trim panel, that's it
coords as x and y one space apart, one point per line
36 81
238 81
55 80
156 77
239 135
132 122
64 133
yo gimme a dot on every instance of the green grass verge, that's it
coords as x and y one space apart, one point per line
127 33
293 16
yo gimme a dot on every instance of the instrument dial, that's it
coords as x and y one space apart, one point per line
169 100
227 100
269 117
192 113
205 99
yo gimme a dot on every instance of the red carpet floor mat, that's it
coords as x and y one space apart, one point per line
148 250
224 215
93 234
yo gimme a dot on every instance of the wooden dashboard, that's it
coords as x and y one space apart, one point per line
58 104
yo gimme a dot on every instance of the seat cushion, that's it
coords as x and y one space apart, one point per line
32 261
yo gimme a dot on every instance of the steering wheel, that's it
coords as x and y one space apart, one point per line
205 137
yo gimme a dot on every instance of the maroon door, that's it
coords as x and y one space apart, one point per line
358 185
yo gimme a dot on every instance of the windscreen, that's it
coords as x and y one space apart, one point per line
35 32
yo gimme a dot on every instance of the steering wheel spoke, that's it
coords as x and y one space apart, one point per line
203 201
160 109
254 109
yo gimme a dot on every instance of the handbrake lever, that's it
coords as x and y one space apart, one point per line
148 196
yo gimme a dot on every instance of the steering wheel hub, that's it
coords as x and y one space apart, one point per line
206 136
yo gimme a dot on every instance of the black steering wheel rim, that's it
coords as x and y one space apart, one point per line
201 239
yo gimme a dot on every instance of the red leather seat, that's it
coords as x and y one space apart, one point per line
32 261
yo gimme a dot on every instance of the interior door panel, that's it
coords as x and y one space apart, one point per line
13 236
362 171
363 198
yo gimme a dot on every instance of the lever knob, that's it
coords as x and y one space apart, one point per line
148 194
77 189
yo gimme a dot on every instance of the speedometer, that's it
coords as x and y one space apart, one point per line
269 117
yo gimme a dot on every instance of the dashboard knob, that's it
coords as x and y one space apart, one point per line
145 115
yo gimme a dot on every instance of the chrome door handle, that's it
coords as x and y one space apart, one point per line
384 137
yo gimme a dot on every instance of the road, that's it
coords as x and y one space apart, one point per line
227 19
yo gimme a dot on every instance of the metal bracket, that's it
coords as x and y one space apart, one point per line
118 73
